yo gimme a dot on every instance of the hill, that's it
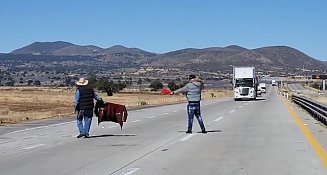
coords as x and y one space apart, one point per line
222 58
209 59
42 48
120 53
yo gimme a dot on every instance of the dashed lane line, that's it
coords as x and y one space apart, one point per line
34 146
130 171
152 116
186 137
219 118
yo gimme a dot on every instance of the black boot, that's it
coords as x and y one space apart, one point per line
189 131
203 130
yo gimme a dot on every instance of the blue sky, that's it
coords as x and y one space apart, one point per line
166 25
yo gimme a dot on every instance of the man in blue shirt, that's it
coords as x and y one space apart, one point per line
84 105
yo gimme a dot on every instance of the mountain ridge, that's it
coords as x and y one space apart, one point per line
211 58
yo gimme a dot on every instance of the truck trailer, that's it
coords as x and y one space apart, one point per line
245 83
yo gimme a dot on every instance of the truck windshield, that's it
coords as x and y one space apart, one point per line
244 82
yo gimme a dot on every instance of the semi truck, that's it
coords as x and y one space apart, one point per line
245 83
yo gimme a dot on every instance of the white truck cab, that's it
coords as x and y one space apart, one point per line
244 83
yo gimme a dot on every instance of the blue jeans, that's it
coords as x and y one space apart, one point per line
194 109
84 127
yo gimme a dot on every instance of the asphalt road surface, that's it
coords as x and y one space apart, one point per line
268 136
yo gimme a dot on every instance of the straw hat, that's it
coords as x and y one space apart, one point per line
82 82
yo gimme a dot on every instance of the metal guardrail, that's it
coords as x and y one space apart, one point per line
316 109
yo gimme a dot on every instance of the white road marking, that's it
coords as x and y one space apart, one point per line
152 116
187 137
130 171
240 107
40 127
231 111
176 111
165 113
111 126
219 118
135 121
34 146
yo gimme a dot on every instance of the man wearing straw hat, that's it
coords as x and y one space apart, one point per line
84 105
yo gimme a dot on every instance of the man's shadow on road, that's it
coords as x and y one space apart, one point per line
208 131
113 135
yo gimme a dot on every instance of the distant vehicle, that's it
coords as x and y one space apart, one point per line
244 83
262 87
259 91
273 82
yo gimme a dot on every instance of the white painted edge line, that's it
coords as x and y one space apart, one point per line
130 171
219 118
135 121
34 146
40 127
186 137
231 111
152 116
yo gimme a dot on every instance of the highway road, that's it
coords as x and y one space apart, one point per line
268 136
299 89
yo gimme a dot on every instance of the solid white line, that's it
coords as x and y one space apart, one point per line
152 116
34 146
40 127
187 137
231 111
135 121
130 171
219 118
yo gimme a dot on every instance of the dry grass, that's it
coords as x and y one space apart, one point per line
321 99
21 104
